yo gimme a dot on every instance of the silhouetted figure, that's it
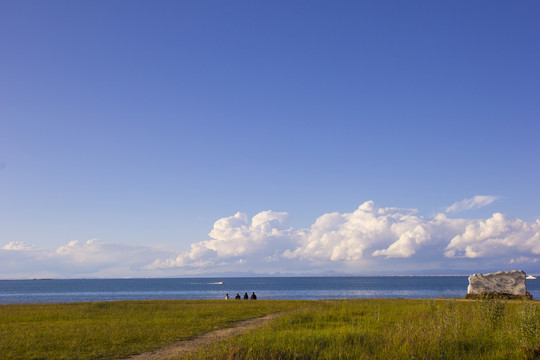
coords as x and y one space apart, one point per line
226 296
253 296
246 296
237 297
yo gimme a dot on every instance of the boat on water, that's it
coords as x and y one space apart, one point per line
530 277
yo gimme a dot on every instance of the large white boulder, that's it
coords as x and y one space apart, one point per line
502 282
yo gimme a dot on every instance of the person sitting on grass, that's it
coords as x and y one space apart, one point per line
227 296
253 296
237 297
246 296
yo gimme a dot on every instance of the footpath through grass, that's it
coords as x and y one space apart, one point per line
111 330
393 329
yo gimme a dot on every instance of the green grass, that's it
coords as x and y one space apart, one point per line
393 329
332 329
110 330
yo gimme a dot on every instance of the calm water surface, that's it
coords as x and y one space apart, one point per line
306 288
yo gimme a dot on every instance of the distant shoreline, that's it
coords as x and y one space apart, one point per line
236 277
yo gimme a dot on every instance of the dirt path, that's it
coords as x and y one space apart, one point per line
176 350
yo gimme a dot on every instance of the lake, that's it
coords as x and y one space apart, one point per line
297 288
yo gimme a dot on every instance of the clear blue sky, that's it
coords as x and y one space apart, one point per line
142 123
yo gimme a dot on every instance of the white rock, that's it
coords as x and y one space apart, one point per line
502 282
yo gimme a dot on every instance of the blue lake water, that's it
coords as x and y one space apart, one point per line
305 288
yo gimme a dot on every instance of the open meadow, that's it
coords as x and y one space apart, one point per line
329 329
111 330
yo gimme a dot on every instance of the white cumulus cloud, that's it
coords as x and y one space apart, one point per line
364 239
236 240
496 236
389 232
370 239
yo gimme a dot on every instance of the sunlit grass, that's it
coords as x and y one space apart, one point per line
110 330
332 329
393 329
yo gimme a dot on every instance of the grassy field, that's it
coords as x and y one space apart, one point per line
393 329
333 329
110 330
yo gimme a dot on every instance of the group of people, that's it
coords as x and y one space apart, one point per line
246 297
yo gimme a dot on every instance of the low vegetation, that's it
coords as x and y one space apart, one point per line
393 329
111 330
332 329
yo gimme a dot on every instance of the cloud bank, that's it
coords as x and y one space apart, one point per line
370 240
91 258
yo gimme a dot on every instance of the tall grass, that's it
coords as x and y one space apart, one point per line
393 329
109 330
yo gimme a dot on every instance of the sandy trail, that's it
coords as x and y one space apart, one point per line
176 350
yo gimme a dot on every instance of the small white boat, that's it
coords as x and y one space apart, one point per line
530 277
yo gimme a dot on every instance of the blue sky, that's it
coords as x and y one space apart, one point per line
139 127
